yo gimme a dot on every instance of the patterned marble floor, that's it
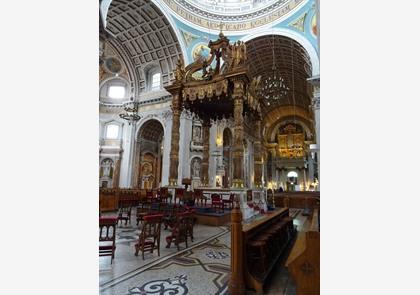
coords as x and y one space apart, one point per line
201 269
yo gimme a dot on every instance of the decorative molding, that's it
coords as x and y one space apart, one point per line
204 19
188 37
299 23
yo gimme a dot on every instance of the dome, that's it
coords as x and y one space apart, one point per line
234 16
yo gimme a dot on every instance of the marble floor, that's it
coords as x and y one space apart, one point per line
202 268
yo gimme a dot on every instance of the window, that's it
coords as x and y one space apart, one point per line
292 174
112 131
116 91
155 81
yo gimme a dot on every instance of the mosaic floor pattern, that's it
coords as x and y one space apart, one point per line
203 269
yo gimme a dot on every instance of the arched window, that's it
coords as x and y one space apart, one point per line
155 81
114 90
112 131
292 174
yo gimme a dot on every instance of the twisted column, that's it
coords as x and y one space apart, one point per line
238 135
257 154
174 154
206 149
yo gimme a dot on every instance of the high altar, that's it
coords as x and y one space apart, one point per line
214 88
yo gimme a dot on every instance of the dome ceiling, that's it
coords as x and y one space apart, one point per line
292 64
232 15
144 35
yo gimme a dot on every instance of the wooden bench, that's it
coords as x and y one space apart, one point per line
303 262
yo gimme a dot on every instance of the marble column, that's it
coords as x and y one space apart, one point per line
206 151
238 135
257 154
131 155
174 154
116 176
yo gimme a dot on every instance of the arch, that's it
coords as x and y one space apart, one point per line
147 168
105 9
292 174
272 130
114 81
146 119
309 48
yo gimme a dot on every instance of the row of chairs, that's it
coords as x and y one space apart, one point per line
180 221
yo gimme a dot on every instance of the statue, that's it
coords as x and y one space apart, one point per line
196 168
196 134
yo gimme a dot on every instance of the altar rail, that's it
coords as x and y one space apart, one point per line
299 200
110 199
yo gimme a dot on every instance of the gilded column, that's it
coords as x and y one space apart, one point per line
238 135
174 154
257 154
206 148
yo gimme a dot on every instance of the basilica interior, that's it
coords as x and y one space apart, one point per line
209 147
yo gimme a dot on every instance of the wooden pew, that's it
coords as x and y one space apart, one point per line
241 234
303 262
108 199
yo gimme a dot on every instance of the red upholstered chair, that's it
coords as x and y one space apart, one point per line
217 202
229 201
182 229
107 233
179 194
149 238
199 198
149 195
163 194
124 214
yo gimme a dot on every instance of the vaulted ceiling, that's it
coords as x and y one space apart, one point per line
145 36
291 61
151 130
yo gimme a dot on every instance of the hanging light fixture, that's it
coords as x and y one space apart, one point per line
131 112
273 86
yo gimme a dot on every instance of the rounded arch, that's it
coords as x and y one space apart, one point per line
148 153
272 130
309 48
104 8
145 121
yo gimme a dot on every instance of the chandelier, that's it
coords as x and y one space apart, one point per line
273 87
131 112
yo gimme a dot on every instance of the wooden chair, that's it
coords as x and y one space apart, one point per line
163 194
229 201
149 238
199 198
124 214
217 203
142 211
107 233
179 194
182 230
